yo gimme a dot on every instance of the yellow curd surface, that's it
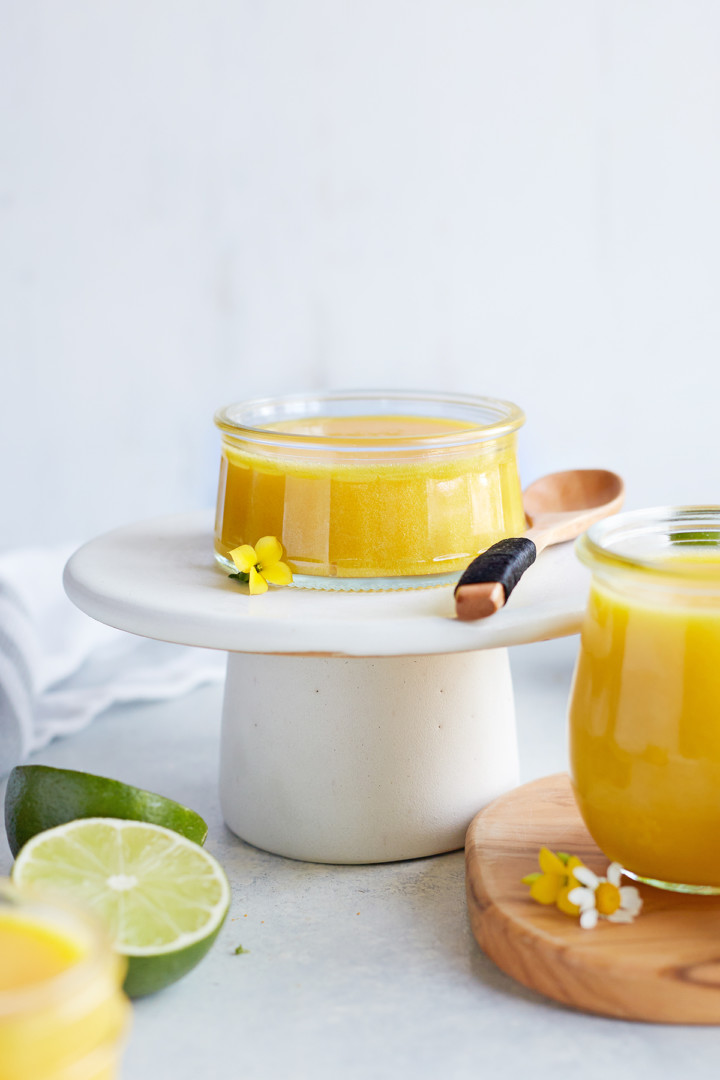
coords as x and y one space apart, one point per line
52 1028
645 729
352 513
31 952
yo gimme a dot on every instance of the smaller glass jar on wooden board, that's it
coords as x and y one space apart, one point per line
645 704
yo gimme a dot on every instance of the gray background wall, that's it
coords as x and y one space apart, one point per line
205 201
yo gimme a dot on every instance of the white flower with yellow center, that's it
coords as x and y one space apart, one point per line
604 897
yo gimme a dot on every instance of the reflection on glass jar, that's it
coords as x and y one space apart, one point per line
62 1010
645 704
371 487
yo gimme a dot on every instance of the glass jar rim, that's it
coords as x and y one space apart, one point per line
79 924
492 418
693 525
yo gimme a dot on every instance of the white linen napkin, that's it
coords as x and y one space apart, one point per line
59 668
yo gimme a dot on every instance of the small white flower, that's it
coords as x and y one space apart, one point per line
604 897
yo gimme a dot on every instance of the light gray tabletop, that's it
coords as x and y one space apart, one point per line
357 972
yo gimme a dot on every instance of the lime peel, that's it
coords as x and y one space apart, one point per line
40 797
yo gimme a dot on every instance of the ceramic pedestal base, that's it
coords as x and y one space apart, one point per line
356 760
331 756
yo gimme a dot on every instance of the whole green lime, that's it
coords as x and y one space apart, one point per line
39 797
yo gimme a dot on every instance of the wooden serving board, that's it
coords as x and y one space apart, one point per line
665 966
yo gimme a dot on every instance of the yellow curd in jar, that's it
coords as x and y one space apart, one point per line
645 724
348 510
62 1013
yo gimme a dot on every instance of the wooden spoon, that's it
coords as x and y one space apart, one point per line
558 507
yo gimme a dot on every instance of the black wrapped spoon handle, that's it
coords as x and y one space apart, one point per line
490 578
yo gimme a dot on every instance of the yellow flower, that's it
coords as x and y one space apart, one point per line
261 564
555 881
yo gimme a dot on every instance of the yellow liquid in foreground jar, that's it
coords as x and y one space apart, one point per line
349 514
62 1013
645 729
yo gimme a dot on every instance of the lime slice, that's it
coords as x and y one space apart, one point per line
39 797
162 897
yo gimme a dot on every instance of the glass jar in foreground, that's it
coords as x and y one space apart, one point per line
369 489
645 704
63 1015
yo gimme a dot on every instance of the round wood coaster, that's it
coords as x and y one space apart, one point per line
665 966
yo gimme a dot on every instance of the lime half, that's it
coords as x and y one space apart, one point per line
162 897
39 797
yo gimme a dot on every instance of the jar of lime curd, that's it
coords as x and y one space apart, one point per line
369 489
645 704
62 1011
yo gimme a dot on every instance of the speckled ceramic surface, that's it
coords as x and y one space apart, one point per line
158 578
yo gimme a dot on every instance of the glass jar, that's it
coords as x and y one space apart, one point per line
369 489
645 703
63 1015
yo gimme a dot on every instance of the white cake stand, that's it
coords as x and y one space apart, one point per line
357 727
